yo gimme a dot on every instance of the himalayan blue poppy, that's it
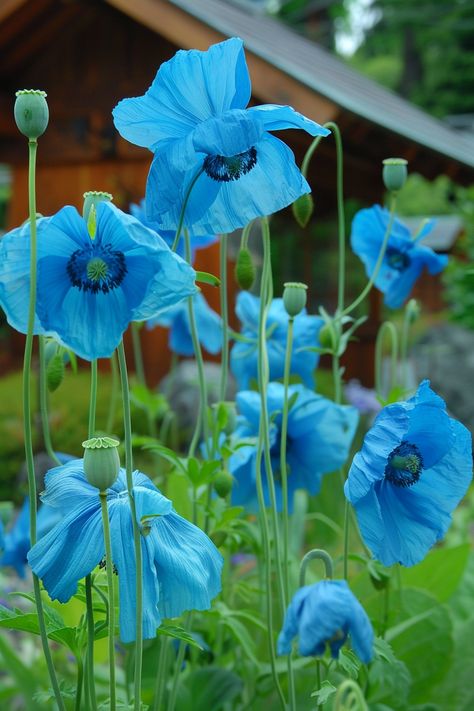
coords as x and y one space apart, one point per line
325 613
181 565
90 288
244 355
320 434
194 119
404 260
414 467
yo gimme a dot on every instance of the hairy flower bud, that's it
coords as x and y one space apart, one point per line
101 461
244 269
302 209
394 173
55 371
31 112
223 483
294 297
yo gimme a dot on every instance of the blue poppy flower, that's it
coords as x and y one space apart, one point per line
89 289
244 356
208 324
181 565
193 118
414 467
404 260
319 438
325 614
197 241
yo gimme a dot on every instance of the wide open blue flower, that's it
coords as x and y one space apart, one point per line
244 356
193 118
413 469
325 614
208 324
197 241
89 289
319 438
404 260
181 565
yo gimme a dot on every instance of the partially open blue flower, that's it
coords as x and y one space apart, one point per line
244 355
181 565
197 241
325 614
413 469
193 118
404 260
208 324
89 289
319 437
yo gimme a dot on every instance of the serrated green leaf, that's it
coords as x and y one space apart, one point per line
349 662
212 688
178 633
324 693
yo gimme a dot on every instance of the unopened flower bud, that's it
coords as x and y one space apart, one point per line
413 310
89 209
101 461
294 297
55 371
244 269
325 336
223 483
31 112
302 209
395 173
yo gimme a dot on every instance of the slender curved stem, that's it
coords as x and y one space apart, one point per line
387 328
127 422
309 154
28 434
79 682
183 209
92 399
110 586
178 664
113 394
224 317
407 321
341 226
316 554
137 353
43 396
161 675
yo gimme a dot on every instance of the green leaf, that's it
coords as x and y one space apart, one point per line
23 675
168 454
389 678
67 689
349 662
178 633
324 693
439 573
143 398
206 278
456 692
194 471
212 688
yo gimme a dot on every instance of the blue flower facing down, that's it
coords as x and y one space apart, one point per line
193 118
181 565
89 289
244 356
197 241
413 469
325 614
404 260
208 323
319 438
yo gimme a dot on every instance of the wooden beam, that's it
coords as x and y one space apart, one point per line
268 82
8 7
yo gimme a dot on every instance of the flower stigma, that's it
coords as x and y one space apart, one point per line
405 465
225 169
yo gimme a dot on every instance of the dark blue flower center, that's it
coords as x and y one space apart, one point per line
96 268
404 465
397 260
225 169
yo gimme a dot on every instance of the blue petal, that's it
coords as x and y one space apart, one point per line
228 135
291 622
277 118
67 487
401 285
188 89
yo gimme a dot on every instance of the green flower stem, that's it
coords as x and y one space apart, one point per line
110 586
137 353
225 317
161 675
178 664
318 678
284 491
80 678
266 293
127 423
316 554
387 328
407 321
43 397
309 154
113 394
341 226
346 539
92 399
28 433
183 209
379 261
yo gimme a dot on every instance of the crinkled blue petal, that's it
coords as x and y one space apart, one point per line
277 118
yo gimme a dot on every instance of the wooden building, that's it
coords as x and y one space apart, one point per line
89 54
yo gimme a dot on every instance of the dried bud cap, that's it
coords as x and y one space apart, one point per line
302 209
89 209
31 112
244 269
222 483
294 297
395 173
101 461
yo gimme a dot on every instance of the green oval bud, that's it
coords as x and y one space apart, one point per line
413 310
244 269
222 483
218 538
303 208
395 173
55 372
89 209
101 461
325 336
294 297
31 112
